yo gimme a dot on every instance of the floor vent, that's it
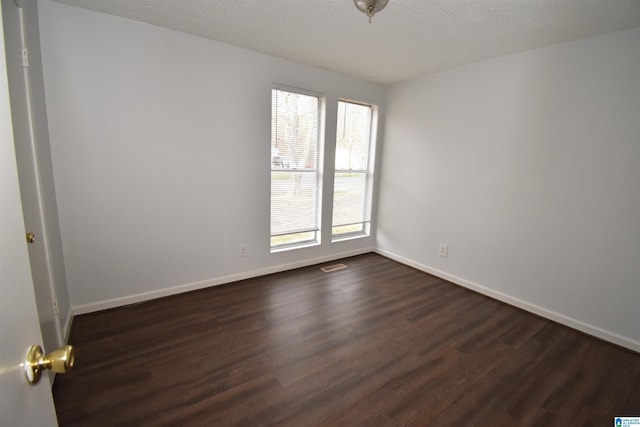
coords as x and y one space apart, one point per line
334 267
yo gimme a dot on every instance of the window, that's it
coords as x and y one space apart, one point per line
295 175
352 181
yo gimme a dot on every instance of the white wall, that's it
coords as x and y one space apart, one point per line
527 166
161 155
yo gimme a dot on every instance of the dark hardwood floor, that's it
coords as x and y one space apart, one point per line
378 344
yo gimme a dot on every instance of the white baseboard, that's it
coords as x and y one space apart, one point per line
516 302
146 296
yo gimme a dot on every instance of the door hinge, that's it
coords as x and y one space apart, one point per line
25 57
55 307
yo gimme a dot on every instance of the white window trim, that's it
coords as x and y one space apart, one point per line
369 177
319 171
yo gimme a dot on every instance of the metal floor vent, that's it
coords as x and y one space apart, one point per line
334 267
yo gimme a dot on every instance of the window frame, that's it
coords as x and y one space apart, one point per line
365 230
315 239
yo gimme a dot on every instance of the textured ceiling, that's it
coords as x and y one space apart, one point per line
407 39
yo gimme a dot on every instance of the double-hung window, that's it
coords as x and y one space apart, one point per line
353 178
295 173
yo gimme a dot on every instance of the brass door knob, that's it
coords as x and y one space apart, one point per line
60 361
31 237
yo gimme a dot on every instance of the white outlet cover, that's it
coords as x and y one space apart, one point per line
443 250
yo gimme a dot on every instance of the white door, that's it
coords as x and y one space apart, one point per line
26 154
21 404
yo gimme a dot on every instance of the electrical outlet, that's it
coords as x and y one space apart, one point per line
243 250
443 250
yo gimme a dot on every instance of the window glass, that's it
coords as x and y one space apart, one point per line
295 178
352 180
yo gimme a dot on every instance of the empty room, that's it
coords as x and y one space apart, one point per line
329 213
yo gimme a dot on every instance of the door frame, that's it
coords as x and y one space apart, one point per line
32 152
20 403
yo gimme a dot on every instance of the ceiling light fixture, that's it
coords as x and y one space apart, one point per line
370 7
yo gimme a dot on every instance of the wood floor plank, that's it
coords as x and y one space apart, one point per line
375 344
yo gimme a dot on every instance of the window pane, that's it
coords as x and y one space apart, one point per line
294 201
352 140
294 130
349 198
292 239
351 184
348 229
295 183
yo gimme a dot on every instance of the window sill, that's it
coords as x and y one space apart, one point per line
286 248
349 237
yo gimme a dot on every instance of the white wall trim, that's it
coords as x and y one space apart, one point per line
516 302
66 329
146 296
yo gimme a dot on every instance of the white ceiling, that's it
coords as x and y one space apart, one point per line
407 39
